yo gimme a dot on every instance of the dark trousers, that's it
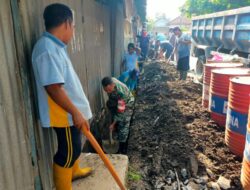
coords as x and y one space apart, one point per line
123 146
183 67
69 146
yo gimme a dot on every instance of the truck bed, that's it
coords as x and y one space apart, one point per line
228 29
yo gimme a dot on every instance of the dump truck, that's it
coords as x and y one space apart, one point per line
225 33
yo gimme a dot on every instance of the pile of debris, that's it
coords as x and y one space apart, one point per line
185 182
173 143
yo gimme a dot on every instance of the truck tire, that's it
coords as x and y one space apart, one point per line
199 67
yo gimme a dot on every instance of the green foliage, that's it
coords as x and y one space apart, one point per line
133 175
185 29
150 24
200 7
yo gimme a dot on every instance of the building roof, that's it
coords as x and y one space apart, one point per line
161 22
180 20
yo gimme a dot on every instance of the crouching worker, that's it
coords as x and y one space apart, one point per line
120 104
62 103
130 78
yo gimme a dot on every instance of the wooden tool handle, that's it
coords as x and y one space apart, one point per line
103 156
110 137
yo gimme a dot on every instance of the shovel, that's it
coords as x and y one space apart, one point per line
110 146
172 53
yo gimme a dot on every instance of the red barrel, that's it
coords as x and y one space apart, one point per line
219 86
207 75
237 114
245 169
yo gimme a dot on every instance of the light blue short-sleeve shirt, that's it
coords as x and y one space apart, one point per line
131 60
51 65
183 49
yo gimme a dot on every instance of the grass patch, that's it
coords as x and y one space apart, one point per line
133 175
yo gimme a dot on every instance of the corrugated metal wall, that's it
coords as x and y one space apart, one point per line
90 47
118 38
15 148
21 24
97 49
122 32
129 14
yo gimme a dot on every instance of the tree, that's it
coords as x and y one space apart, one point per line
150 24
200 7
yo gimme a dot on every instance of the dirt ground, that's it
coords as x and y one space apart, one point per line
170 131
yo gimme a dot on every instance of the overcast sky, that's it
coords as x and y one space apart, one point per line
169 7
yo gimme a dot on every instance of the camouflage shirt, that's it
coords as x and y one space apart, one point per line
122 91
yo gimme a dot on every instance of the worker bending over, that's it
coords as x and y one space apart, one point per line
120 104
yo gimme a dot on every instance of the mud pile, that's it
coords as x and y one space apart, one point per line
172 141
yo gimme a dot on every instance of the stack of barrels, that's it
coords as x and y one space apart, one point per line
237 114
245 170
207 77
219 88
226 94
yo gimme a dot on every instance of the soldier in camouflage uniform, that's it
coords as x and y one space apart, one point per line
120 104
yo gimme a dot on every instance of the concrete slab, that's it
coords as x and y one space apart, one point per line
101 179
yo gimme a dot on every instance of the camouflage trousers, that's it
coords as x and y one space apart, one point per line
123 124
